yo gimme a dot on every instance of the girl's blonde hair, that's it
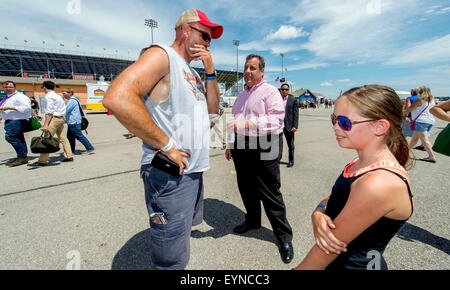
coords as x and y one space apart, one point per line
425 94
382 102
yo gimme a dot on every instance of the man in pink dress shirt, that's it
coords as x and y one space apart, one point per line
258 123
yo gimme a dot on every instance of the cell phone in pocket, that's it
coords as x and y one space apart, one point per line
158 218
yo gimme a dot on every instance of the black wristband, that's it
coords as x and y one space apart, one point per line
211 75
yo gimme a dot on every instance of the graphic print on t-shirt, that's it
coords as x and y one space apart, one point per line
196 85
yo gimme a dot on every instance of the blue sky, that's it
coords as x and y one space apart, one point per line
328 46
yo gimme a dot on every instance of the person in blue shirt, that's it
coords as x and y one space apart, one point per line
73 119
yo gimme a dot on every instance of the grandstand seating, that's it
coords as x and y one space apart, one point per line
62 66
15 62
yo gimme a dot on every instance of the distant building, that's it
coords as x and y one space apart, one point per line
305 95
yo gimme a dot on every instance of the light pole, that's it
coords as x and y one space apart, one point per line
282 57
152 24
236 42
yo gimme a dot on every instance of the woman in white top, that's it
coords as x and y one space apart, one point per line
424 121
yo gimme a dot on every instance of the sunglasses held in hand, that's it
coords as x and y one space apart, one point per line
345 123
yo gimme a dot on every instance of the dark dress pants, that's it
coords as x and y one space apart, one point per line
258 178
290 143
74 133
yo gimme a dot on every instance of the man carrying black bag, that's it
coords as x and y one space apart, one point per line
55 110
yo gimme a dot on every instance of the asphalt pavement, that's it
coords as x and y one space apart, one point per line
91 213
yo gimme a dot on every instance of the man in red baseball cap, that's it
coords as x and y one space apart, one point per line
195 15
163 101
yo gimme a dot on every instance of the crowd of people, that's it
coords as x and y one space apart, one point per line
17 109
318 103
162 100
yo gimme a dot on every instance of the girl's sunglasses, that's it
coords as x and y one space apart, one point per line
345 123
205 35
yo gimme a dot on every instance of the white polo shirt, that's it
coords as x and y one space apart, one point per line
54 104
22 104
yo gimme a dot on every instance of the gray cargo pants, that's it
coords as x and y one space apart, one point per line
181 201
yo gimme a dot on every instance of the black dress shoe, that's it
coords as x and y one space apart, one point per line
67 159
290 164
37 163
286 252
243 228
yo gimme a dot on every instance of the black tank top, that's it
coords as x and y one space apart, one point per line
365 251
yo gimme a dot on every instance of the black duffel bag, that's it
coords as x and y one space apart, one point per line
44 144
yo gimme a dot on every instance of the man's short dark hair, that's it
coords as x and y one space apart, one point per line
262 63
285 84
49 85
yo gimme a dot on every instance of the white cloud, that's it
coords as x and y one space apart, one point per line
430 51
254 45
268 46
444 10
283 48
308 65
299 66
441 69
287 32
356 63
349 31
326 84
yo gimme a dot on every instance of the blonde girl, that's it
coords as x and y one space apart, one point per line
371 199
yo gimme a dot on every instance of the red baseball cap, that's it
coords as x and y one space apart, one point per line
195 15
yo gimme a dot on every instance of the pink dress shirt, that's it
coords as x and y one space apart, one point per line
263 106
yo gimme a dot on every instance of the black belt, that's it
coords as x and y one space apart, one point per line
7 121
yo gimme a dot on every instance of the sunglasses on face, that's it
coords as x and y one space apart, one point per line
285 89
205 35
345 123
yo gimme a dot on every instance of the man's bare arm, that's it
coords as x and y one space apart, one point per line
124 100
124 97
440 111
